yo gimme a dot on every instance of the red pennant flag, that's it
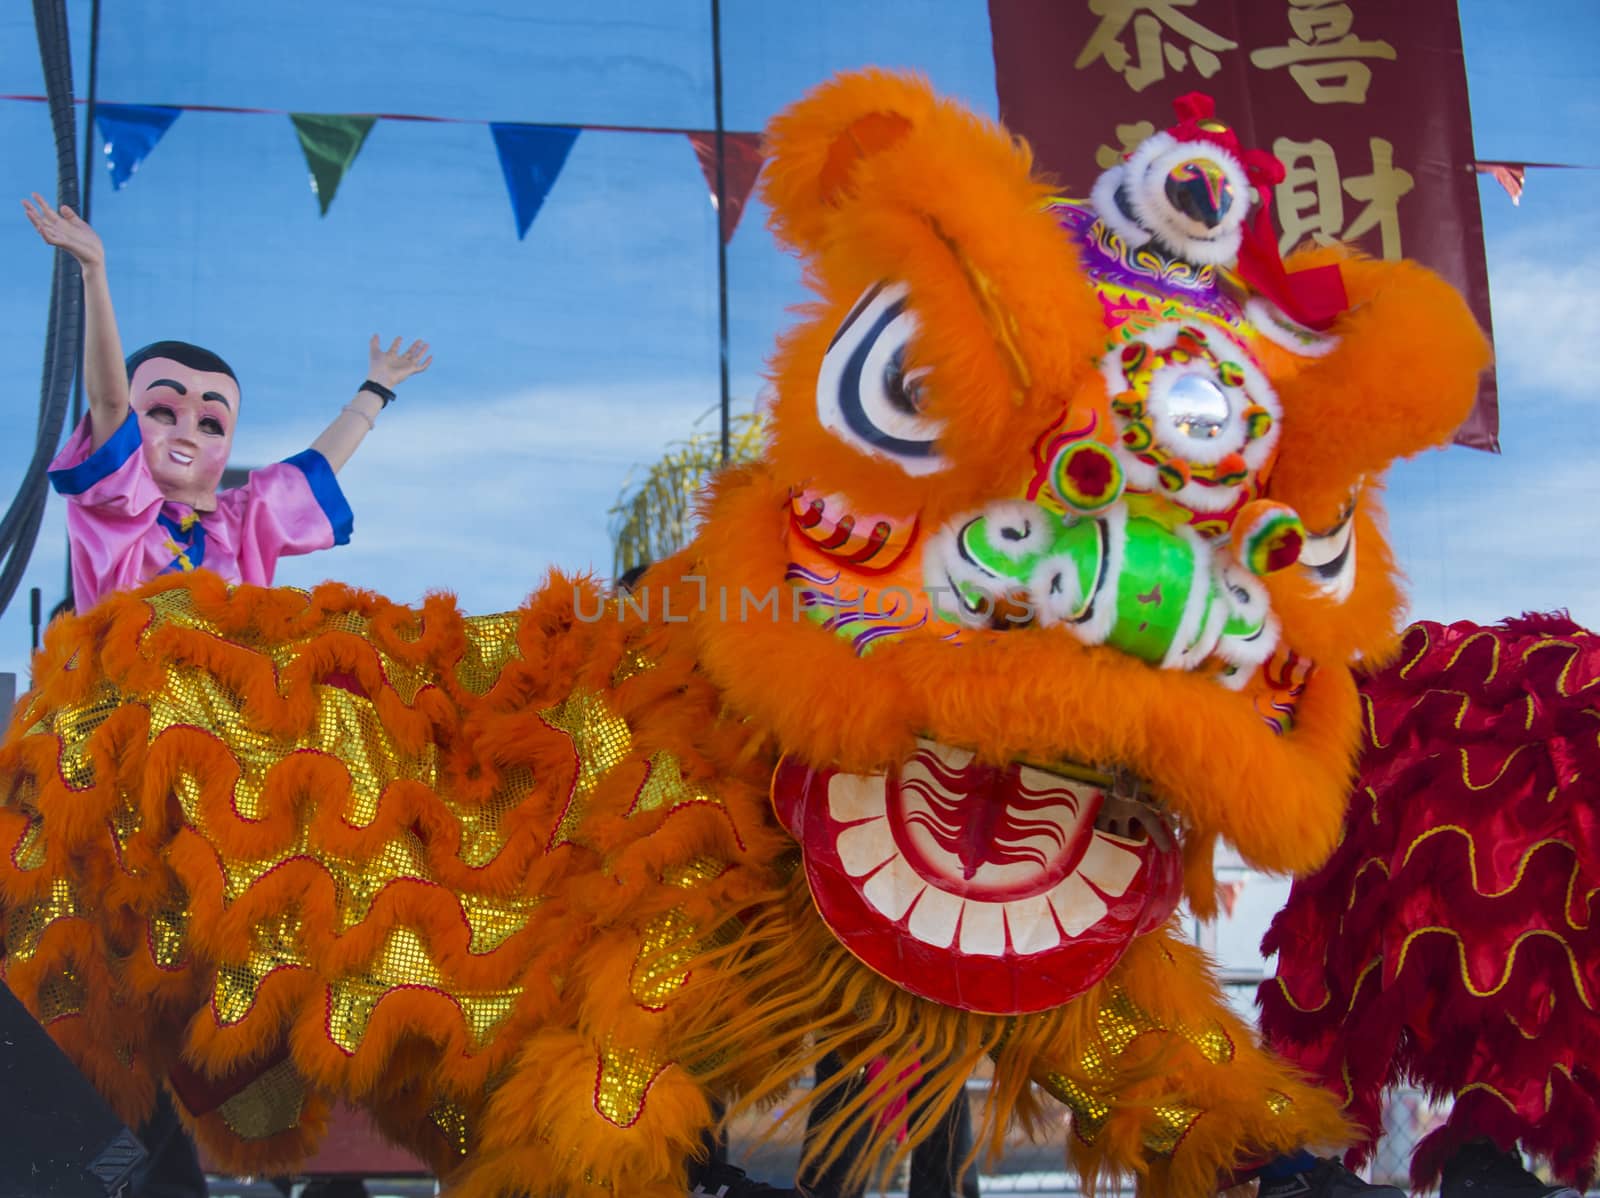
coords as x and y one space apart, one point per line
1228 893
741 163
1509 175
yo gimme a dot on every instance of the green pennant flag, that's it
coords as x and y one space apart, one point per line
331 142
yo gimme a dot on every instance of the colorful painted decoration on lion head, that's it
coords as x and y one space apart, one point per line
1080 528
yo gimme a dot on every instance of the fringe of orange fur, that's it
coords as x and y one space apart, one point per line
788 985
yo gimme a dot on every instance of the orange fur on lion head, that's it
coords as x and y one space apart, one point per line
876 182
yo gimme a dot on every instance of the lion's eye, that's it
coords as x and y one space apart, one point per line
867 396
902 388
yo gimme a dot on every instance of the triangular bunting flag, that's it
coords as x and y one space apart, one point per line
741 163
531 156
1228 894
131 132
1510 175
331 142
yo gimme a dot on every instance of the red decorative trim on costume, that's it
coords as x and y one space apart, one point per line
201 1094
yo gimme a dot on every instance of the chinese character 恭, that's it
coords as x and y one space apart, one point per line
1148 18
1105 157
1311 198
1324 53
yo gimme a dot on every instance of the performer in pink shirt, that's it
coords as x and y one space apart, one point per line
140 473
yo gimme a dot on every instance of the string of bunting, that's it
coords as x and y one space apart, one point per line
531 155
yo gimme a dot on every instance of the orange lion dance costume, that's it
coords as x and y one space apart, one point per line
1048 579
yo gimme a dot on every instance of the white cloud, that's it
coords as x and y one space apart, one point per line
1547 322
482 496
1482 537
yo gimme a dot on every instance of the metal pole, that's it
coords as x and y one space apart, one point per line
90 143
722 244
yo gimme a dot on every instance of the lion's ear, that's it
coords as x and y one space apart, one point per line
815 147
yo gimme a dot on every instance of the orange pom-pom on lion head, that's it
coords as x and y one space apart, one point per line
1053 574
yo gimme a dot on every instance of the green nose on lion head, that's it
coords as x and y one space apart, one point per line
1147 586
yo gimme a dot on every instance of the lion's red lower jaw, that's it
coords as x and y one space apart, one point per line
995 889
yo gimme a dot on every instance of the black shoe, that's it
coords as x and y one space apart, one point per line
1480 1170
1328 1178
718 1179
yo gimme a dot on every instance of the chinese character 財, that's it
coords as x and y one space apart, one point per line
1324 53
1311 198
1149 18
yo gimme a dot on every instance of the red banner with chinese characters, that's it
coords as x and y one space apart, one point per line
1364 101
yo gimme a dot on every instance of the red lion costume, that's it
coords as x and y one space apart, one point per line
1450 941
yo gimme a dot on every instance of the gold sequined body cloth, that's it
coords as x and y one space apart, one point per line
272 848
511 883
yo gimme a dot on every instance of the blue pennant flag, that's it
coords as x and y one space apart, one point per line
131 132
531 156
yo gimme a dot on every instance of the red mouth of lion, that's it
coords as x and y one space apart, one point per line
1000 889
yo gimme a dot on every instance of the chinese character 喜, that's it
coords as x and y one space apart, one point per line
1324 53
1310 200
1148 18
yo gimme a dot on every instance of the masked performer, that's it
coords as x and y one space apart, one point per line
1449 943
141 472
908 757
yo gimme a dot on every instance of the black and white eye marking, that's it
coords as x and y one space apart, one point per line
865 394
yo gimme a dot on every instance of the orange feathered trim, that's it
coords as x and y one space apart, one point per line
1402 379
788 985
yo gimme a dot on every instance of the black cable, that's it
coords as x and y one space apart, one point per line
19 527
89 142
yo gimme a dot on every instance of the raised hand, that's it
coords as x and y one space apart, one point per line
67 230
391 367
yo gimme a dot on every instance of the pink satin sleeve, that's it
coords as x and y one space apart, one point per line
112 504
285 509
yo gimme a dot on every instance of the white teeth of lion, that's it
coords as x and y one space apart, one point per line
864 847
853 797
1033 927
869 853
1108 865
934 918
893 888
983 929
1030 925
1077 907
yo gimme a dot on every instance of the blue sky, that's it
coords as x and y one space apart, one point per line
564 361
